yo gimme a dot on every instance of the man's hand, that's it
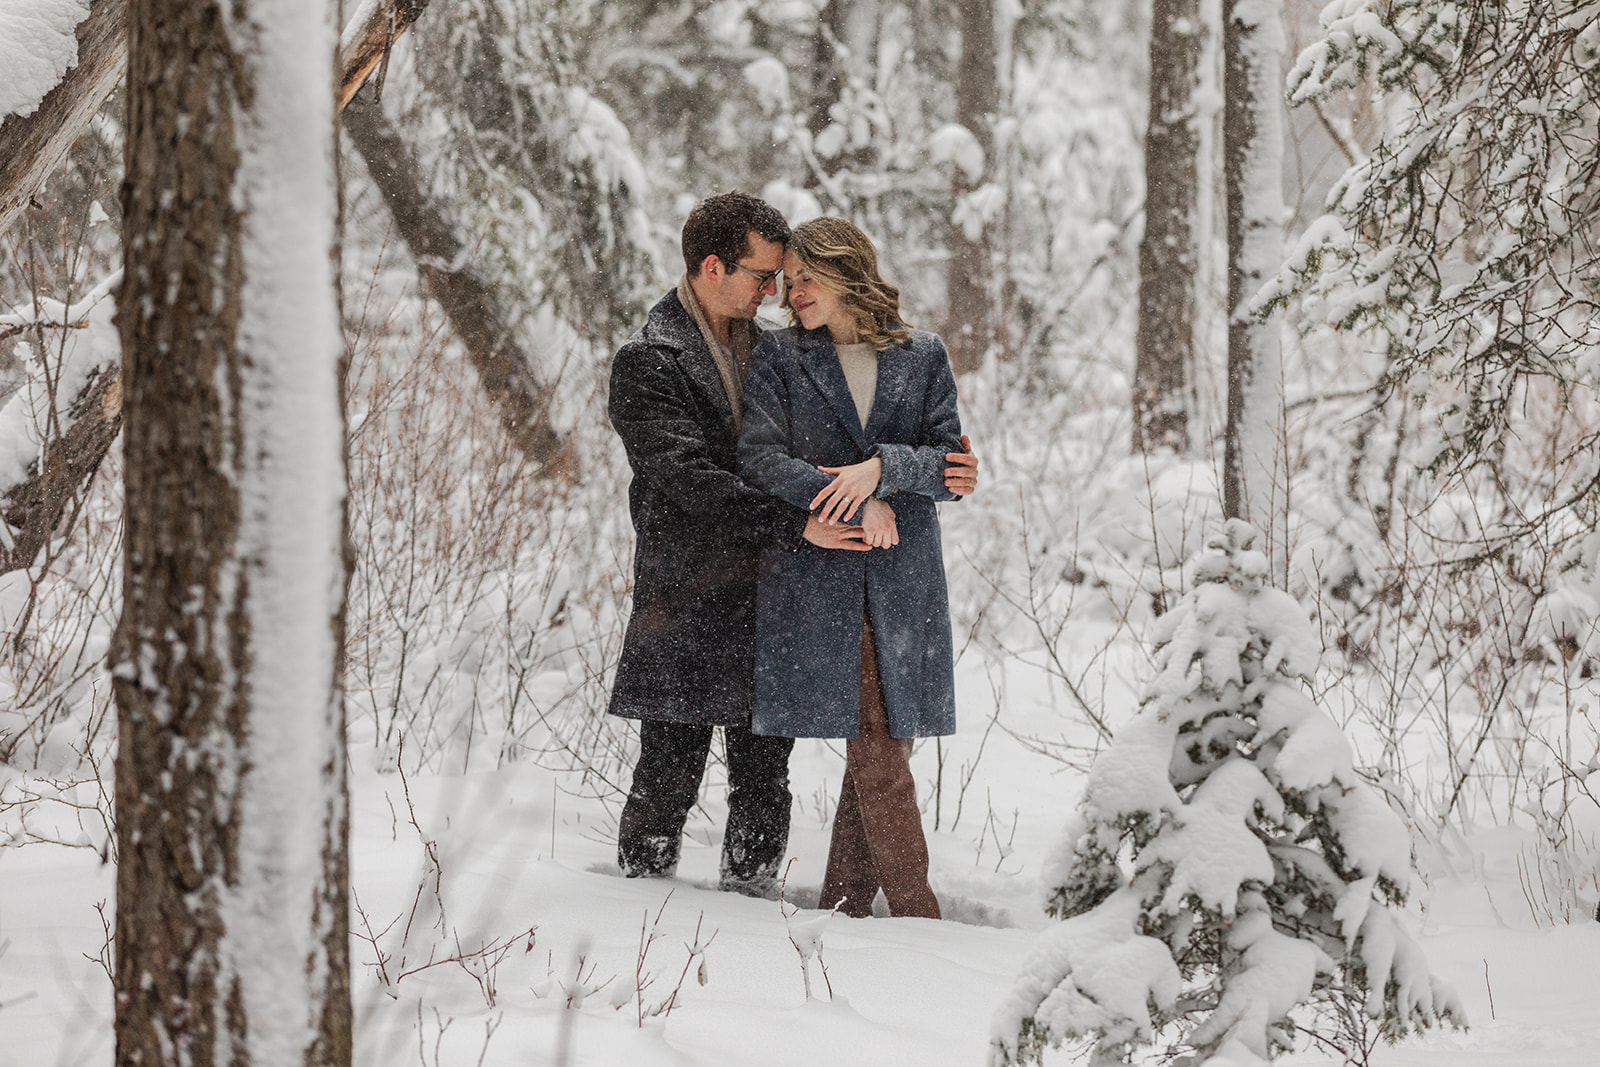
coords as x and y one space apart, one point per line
841 499
878 525
832 535
962 477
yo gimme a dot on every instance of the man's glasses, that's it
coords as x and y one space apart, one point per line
763 276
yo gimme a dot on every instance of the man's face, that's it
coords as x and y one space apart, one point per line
738 289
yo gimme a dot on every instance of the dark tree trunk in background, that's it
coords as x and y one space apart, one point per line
232 936
969 330
827 76
1168 257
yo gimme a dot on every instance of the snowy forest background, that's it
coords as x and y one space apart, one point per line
1425 476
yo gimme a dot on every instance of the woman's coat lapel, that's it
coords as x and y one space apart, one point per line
821 362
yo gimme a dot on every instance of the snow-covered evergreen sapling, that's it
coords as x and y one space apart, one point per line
1228 877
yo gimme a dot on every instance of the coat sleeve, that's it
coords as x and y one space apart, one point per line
667 447
766 447
920 468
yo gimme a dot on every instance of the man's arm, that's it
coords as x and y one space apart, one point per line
961 477
667 447
835 535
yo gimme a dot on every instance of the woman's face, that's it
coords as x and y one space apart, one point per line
814 305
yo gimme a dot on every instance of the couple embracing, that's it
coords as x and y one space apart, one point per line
788 577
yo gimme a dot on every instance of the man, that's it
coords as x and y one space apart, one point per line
689 652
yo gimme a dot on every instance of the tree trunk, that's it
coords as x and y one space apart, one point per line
30 148
367 50
827 73
468 299
1168 255
969 330
232 886
1255 476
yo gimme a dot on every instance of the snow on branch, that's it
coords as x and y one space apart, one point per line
38 45
34 139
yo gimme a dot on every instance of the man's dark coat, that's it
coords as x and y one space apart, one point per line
689 652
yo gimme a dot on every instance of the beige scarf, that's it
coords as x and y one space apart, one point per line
735 369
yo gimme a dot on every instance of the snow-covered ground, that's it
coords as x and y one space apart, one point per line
528 872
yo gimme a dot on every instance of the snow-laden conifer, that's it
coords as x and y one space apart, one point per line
1466 237
1228 878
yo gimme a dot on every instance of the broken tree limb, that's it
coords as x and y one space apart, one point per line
470 301
34 508
365 47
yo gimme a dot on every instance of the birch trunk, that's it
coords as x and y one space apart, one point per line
1255 479
231 939
1168 254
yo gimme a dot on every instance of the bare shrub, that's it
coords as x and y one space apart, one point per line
486 603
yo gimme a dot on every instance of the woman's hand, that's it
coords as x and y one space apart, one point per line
841 498
878 527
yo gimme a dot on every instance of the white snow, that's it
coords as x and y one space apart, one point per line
521 849
288 572
954 143
1211 851
770 79
38 45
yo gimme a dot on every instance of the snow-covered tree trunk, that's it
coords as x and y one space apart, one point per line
827 66
232 888
1168 257
1255 478
969 330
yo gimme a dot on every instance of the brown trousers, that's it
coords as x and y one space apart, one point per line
877 831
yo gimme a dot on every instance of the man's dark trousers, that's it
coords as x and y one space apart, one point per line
666 784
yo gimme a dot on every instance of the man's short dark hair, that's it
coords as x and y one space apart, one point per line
720 226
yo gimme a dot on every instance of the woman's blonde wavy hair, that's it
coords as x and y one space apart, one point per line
841 258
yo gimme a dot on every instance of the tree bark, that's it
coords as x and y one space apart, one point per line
31 148
232 816
1255 478
468 299
1168 256
969 330
827 74
35 508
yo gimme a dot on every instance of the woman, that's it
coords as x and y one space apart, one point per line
850 414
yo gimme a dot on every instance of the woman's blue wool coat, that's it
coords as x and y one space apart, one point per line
799 415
